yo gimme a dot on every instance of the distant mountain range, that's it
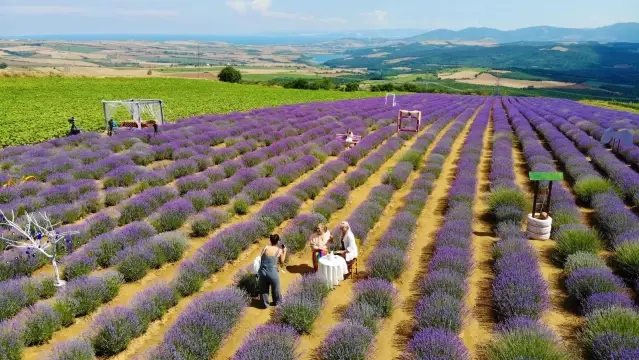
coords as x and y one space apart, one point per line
621 32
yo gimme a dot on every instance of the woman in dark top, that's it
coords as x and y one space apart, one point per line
268 273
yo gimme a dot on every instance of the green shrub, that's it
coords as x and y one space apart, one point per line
413 157
627 256
76 269
230 74
507 204
582 260
620 321
562 217
299 314
64 308
524 344
507 197
40 324
589 187
572 240
319 155
241 205
134 267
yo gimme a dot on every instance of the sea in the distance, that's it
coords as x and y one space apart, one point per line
322 58
234 39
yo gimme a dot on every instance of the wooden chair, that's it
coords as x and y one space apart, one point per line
350 265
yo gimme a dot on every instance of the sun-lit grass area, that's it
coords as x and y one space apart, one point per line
615 105
36 109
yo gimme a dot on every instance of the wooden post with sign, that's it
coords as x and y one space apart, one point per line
539 227
541 204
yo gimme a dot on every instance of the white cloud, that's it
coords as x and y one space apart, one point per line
263 7
42 10
237 5
377 16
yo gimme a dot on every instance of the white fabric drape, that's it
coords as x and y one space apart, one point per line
136 110
332 268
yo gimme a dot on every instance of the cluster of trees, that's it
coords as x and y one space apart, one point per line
231 75
3 66
416 88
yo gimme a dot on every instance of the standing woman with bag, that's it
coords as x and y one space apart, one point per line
268 273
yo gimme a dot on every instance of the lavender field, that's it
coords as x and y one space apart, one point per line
164 227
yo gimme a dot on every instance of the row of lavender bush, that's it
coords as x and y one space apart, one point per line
520 293
602 295
37 324
618 225
440 311
595 121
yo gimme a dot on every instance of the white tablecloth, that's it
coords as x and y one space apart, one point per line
332 268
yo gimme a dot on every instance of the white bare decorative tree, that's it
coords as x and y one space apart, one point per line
36 235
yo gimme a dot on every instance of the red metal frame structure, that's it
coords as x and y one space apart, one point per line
406 117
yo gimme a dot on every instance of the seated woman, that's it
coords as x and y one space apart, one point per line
349 246
319 239
349 139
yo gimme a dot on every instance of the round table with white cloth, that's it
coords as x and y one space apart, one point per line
332 268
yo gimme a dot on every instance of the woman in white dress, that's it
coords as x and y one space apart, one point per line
349 246
349 139
319 242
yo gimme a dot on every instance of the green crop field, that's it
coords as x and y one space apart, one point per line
37 109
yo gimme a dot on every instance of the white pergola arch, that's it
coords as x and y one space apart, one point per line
136 108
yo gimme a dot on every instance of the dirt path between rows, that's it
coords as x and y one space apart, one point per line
395 331
255 317
562 316
477 331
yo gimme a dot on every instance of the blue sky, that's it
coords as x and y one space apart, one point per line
230 17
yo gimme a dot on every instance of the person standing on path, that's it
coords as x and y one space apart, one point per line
268 273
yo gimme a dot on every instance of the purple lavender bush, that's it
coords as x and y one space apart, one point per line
192 182
377 293
201 328
172 215
208 221
347 341
440 311
113 329
151 304
76 349
603 301
387 264
583 283
269 342
11 344
432 343
38 324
